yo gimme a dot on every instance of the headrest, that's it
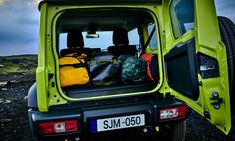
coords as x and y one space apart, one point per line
120 36
75 39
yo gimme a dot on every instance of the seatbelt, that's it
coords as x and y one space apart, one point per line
149 38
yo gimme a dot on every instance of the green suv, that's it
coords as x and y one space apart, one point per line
195 68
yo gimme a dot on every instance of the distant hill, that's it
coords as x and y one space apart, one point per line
18 64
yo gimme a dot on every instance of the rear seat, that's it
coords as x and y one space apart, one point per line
75 44
121 43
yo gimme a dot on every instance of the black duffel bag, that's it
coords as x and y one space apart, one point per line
104 69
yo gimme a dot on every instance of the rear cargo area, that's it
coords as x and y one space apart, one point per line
109 55
94 91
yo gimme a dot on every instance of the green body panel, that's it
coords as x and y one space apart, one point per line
208 41
56 96
45 94
41 77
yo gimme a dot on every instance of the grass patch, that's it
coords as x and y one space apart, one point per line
18 63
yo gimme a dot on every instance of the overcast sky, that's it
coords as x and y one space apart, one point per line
19 27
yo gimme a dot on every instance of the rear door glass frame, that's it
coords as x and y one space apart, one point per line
187 17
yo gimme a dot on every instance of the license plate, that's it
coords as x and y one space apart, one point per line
117 123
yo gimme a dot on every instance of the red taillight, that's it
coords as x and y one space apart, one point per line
174 112
47 128
71 126
58 127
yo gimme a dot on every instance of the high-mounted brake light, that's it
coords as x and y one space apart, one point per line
58 127
174 112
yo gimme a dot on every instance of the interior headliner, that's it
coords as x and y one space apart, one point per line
101 19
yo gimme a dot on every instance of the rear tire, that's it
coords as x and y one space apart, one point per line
227 31
179 131
175 132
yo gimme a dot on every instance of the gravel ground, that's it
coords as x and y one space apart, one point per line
13 110
14 122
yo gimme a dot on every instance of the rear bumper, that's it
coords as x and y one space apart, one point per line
36 117
84 115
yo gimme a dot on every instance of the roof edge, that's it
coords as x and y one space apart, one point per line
97 2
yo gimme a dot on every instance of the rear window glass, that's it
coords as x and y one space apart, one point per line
104 40
97 29
182 16
133 37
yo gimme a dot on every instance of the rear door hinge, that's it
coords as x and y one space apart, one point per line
216 100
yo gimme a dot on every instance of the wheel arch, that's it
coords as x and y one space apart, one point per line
32 97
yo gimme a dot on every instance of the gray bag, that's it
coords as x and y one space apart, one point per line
104 69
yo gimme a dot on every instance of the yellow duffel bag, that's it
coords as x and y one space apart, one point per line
73 70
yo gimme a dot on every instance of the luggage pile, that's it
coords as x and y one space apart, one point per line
105 69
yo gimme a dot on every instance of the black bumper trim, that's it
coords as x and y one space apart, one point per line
85 114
